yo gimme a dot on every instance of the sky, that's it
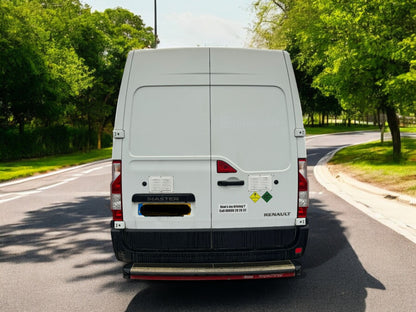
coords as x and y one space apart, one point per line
186 23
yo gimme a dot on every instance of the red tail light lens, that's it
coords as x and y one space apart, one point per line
116 204
223 167
303 189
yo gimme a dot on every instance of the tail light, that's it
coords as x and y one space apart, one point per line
303 193
116 204
223 167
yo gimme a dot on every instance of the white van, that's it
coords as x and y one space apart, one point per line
209 166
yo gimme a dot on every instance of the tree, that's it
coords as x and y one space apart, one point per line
103 40
362 52
271 31
61 64
39 71
21 67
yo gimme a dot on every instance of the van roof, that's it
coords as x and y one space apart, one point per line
192 66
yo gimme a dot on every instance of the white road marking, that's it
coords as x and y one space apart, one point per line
9 199
92 170
17 195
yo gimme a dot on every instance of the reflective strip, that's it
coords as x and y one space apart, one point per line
216 269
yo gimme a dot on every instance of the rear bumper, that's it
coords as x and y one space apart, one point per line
205 272
209 246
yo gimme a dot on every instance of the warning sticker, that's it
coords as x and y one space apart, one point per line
267 196
260 182
161 184
232 208
255 197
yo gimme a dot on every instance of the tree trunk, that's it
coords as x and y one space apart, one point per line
99 138
21 122
21 127
311 118
395 132
382 128
381 125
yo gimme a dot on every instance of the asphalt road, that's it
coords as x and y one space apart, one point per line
56 255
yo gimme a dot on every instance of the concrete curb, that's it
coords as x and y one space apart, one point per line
406 199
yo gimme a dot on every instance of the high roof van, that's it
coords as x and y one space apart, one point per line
209 165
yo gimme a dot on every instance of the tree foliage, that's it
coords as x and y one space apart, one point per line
60 63
271 31
362 52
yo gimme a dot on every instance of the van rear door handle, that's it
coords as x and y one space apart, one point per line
230 182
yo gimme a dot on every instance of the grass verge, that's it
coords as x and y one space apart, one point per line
373 163
24 168
337 128
340 128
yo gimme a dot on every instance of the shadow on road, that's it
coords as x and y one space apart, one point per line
333 279
57 232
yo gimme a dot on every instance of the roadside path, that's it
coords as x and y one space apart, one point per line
397 211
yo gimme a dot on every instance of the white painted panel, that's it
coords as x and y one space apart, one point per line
250 127
251 130
170 121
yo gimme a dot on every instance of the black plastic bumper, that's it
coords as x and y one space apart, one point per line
209 246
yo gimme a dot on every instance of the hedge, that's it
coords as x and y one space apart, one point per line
38 142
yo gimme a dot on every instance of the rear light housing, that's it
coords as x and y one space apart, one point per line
223 167
116 203
303 188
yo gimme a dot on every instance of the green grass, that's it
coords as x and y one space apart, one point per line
408 129
373 163
337 128
340 128
24 168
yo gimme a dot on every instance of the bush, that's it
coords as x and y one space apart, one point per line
39 142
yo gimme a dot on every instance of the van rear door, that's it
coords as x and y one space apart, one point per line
166 149
252 130
192 110
168 155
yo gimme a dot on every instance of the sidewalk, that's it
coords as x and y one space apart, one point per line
397 211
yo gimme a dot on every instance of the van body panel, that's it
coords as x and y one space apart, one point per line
248 67
169 67
179 112
297 112
257 149
162 125
166 142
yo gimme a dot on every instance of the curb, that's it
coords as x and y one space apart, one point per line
406 199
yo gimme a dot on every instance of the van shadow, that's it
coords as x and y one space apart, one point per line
333 280
333 277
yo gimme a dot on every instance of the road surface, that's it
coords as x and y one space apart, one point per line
56 254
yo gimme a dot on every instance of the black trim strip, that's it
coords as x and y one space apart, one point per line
164 198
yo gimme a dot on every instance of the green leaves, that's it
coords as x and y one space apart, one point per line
363 52
61 63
